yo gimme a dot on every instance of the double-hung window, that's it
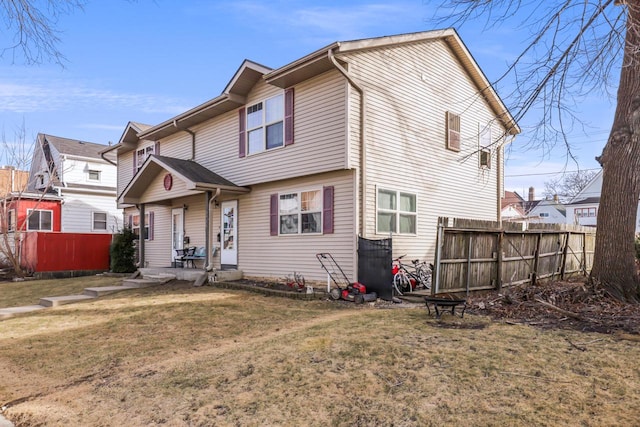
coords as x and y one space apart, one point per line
396 212
585 212
265 125
11 220
99 221
93 175
142 154
300 212
484 149
135 225
39 220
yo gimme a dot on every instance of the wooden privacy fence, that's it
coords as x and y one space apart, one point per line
474 255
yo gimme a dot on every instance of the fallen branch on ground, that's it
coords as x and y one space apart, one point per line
565 312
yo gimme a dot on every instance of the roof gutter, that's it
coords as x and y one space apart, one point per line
362 120
102 153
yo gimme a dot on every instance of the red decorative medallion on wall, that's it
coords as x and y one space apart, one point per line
168 182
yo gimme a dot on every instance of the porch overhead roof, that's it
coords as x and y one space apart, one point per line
195 176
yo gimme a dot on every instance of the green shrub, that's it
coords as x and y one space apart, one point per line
637 245
122 252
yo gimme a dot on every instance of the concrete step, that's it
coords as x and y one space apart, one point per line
225 275
161 277
5 313
105 290
140 283
68 299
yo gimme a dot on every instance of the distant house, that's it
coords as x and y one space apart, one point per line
547 211
76 172
368 138
513 207
583 208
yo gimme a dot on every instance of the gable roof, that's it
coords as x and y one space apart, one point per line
73 147
195 176
318 62
594 186
586 201
511 198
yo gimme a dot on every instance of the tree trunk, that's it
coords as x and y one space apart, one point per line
614 267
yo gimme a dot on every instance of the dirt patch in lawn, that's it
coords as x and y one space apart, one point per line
572 304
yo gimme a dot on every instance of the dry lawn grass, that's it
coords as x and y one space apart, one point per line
183 356
28 292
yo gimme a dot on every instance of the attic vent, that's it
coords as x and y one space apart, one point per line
453 131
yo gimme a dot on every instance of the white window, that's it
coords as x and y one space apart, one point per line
300 212
265 125
134 221
453 131
143 153
39 220
396 212
586 212
544 214
99 220
484 147
93 175
135 225
10 225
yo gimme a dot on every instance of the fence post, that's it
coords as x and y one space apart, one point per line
500 256
436 268
565 251
536 258
584 253
469 262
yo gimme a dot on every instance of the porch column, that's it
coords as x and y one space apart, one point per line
207 228
141 236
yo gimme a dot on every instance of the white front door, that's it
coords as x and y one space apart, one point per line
177 231
229 231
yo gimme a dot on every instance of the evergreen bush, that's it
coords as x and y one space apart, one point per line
122 252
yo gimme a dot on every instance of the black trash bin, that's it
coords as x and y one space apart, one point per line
374 266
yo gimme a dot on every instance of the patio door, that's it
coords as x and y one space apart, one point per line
177 231
229 234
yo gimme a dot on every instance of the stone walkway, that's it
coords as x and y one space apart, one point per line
88 293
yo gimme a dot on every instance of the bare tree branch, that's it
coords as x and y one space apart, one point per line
30 29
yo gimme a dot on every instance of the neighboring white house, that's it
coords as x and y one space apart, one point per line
583 208
368 138
75 171
547 211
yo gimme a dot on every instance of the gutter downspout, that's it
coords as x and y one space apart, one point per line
363 151
500 177
107 160
209 247
193 139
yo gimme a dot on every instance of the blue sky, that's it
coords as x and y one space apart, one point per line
147 61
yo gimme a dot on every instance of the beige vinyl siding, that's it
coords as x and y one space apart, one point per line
260 254
125 170
319 131
194 219
405 137
177 145
156 192
158 250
